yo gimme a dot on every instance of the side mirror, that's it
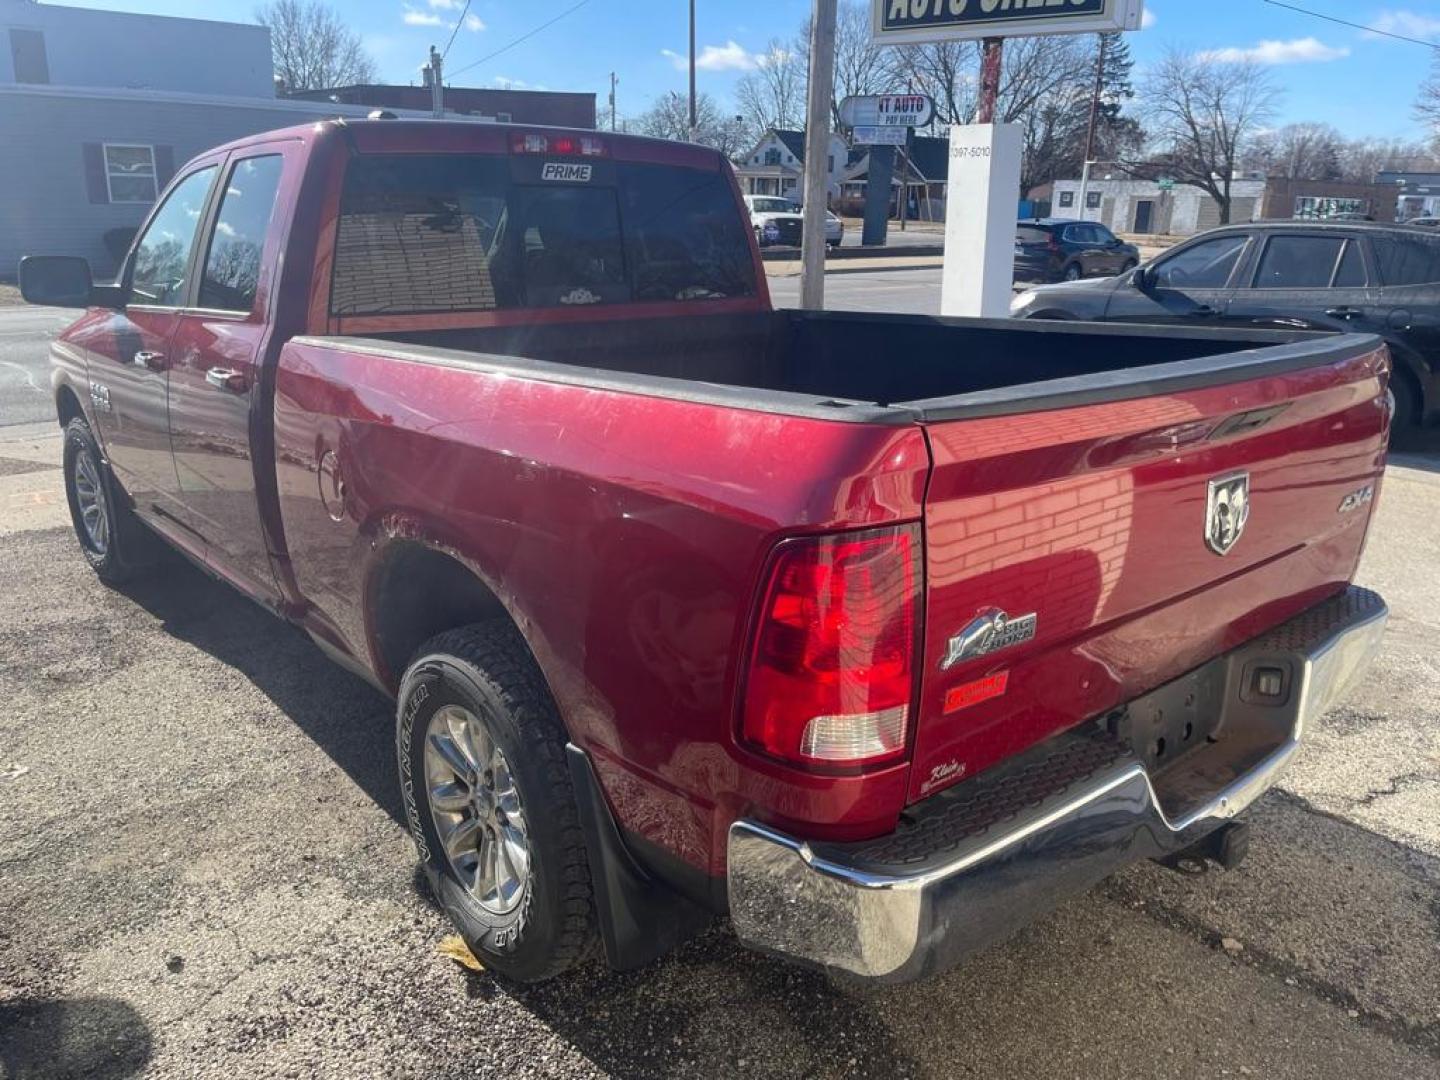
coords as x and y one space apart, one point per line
57 280
1143 278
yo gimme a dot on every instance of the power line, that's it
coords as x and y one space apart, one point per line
455 30
1353 25
523 37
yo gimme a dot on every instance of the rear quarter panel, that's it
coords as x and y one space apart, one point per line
624 533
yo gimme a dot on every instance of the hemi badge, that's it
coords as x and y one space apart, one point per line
972 693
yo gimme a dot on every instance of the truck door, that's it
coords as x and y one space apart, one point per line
215 374
128 369
1191 284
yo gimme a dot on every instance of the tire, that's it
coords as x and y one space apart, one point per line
115 544
1072 272
1406 416
479 688
1130 264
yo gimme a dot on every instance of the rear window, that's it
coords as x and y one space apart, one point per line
1407 260
1029 234
425 233
1298 262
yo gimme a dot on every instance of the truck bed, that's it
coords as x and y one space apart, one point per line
874 367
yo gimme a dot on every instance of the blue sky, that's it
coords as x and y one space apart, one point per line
1361 83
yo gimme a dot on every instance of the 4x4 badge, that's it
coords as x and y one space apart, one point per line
990 631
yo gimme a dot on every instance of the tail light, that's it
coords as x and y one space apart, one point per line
831 674
1053 243
536 142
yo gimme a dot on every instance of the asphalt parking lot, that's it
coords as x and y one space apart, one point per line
203 873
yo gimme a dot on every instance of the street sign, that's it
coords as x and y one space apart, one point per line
887 110
880 136
895 22
1165 184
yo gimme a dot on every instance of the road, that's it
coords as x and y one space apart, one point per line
915 291
204 873
24 364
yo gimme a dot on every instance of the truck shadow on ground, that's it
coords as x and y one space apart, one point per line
84 1038
347 718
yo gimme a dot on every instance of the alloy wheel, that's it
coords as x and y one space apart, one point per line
90 499
476 809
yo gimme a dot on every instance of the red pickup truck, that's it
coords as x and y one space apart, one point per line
881 634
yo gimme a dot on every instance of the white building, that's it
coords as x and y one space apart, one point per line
1140 206
98 109
776 165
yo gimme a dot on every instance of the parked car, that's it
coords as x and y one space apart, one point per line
1059 249
1375 278
691 606
1424 222
780 221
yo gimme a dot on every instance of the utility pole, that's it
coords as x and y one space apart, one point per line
437 89
694 124
1090 130
817 146
613 81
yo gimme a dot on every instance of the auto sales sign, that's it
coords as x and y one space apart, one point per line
902 21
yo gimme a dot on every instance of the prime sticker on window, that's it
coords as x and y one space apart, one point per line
565 170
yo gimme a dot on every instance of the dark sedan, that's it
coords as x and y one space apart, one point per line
1059 249
1373 278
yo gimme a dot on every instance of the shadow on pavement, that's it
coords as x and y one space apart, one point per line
1417 449
346 717
89 1038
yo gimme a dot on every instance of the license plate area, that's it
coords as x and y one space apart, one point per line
1161 726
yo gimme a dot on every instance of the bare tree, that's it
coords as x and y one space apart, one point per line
1427 105
1203 113
773 95
1306 151
861 66
669 118
1361 159
313 48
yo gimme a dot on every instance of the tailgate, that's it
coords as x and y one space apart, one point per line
1145 536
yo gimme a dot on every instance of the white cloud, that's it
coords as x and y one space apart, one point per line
509 84
1304 50
731 56
447 5
1147 20
1409 23
474 22
422 18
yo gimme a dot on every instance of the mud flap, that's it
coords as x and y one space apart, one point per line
640 918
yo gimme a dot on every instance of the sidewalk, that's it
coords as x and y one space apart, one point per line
32 495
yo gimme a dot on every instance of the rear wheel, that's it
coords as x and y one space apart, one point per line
1407 404
1072 272
112 539
1130 264
489 801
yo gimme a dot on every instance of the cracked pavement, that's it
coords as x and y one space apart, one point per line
203 873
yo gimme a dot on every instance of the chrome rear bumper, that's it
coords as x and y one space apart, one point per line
975 863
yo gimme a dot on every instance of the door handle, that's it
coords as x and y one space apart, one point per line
228 379
1344 312
152 361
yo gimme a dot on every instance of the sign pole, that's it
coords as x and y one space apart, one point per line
817 147
994 50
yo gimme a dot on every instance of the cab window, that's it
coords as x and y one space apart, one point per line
162 254
232 267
